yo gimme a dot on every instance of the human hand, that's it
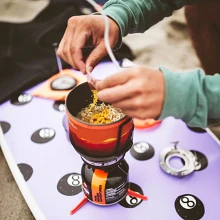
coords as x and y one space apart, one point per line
138 91
86 31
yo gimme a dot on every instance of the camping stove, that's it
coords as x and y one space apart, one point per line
102 149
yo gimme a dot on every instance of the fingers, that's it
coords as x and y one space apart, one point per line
130 113
141 114
95 56
114 80
63 49
100 51
70 47
82 31
116 93
71 52
127 103
75 49
139 92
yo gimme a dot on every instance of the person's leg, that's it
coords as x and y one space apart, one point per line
204 27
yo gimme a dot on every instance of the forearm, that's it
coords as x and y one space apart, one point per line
192 97
134 16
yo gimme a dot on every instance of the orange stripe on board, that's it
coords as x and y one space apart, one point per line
99 179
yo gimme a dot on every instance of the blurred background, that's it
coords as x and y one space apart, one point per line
166 44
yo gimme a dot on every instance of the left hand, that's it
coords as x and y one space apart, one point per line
138 91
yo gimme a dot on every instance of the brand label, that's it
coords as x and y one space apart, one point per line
98 186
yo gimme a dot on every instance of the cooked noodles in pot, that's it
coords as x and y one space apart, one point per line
97 113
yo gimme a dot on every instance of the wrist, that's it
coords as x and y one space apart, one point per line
116 32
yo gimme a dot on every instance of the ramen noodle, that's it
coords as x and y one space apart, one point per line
99 113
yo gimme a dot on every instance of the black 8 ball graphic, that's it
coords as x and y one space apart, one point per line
59 106
43 135
66 127
63 83
26 170
201 160
130 201
65 123
142 151
21 99
70 184
189 207
197 129
5 126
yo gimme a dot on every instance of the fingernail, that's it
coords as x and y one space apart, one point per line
89 69
97 84
83 71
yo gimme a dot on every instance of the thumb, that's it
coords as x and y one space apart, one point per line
95 56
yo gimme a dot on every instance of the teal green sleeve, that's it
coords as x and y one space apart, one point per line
134 16
192 96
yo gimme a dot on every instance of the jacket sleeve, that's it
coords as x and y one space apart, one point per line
192 96
136 16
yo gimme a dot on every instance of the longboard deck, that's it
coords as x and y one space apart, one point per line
47 168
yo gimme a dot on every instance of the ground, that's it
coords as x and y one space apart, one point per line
12 204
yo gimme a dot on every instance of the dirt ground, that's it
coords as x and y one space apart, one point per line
166 44
12 204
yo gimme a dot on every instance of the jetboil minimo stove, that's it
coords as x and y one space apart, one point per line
102 149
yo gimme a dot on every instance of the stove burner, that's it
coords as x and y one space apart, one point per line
187 156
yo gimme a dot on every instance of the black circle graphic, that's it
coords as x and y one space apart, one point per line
43 135
70 184
21 99
130 201
201 160
66 127
189 207
5 126
142 151
65 123
59 106
26 170
63 83
197 129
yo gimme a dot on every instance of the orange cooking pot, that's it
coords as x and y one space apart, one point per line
92 140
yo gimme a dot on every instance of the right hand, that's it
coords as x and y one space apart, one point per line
84 31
